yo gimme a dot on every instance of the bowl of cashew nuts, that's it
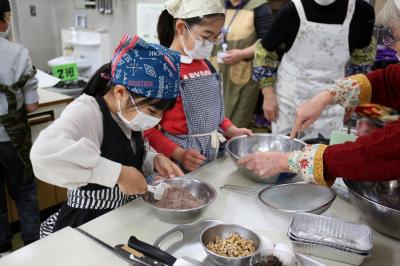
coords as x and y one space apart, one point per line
230 244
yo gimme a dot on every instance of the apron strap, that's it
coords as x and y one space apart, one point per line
214 71
10 91
350 11
216 139
16 125
210 66
300 10
21 83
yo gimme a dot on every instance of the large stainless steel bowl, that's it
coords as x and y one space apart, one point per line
223 231
369 201
243 145
198 188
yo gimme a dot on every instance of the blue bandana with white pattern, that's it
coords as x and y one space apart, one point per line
146 69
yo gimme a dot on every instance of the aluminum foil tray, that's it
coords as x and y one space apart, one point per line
328 245
328 253
331 232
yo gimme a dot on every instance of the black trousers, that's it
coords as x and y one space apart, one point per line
22 192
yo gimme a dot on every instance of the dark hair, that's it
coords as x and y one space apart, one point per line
100 84
4 7
166 25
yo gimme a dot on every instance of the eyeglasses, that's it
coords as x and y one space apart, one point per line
389 40
214 40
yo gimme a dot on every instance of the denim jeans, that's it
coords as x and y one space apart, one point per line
22 192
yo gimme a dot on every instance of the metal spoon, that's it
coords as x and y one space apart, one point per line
290 142
241 189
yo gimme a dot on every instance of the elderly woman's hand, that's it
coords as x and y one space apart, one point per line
309 111
266 164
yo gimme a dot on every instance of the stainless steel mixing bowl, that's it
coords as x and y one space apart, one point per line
371 201
198 188
243 145
223 231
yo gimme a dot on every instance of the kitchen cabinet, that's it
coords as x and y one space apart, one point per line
51 105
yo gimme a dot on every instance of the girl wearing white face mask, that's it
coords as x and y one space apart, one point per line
96 148
191 133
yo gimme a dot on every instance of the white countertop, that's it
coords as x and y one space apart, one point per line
137 219
67 247
47 97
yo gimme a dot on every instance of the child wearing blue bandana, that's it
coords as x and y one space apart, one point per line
96 148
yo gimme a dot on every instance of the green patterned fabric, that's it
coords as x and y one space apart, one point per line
265 65
16 124
361 60
365 56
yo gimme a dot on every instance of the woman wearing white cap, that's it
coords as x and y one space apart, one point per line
192 131
370 158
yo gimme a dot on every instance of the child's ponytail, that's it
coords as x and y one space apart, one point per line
166 28
100 82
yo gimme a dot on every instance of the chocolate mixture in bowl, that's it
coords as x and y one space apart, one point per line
179 198
270 261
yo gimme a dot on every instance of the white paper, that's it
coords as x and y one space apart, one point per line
46 80
147 18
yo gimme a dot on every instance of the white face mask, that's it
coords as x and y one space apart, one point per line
141 121
324 2
201 49
7 32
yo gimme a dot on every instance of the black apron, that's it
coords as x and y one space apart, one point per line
16 125
93 200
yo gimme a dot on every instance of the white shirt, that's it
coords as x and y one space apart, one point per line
67 153
15 63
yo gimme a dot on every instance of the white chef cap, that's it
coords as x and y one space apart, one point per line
193 8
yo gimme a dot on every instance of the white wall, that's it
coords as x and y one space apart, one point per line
37 33
123 19
41 34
